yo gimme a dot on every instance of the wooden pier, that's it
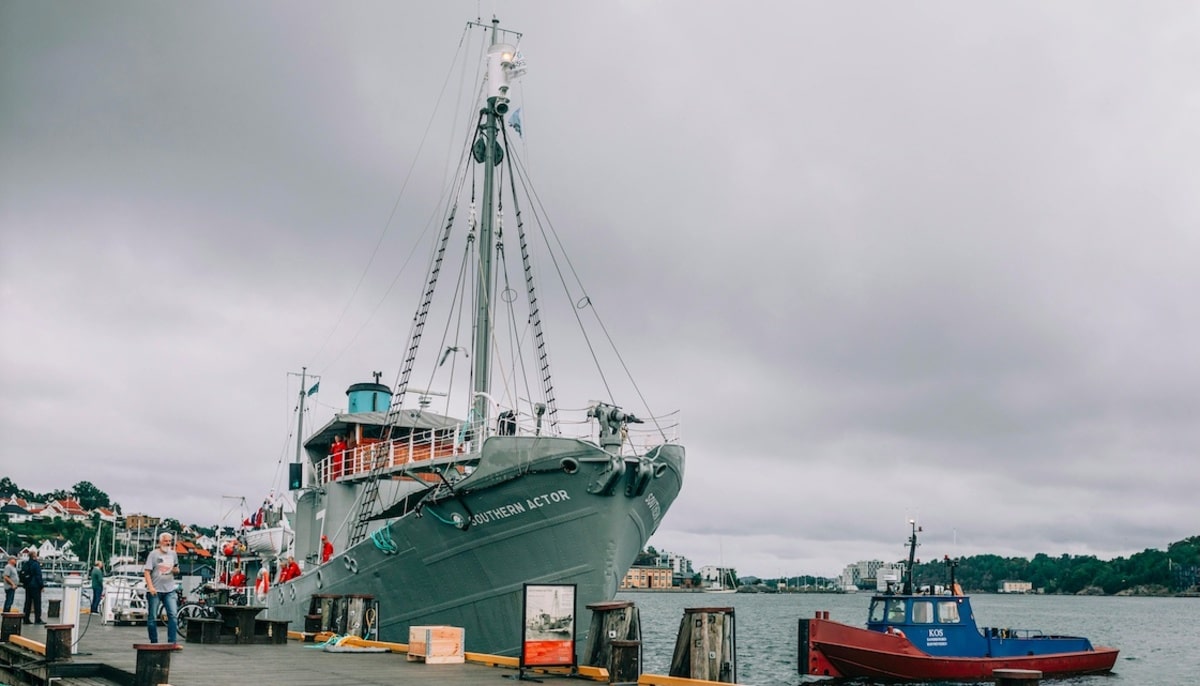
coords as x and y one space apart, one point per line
107 657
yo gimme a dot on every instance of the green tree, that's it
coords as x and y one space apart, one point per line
89 496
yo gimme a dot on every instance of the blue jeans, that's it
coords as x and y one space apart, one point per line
168 599
97 591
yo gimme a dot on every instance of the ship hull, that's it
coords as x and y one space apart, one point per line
545 519
833 649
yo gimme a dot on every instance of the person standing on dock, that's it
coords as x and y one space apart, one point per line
10 580
34 583
97 585
161 567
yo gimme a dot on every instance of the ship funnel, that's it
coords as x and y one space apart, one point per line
369 397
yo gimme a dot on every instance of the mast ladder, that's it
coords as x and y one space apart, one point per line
381 453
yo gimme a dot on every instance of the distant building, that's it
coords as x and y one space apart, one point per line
861 574
141 521
16 513
681 567
640 576
66 508
1016 587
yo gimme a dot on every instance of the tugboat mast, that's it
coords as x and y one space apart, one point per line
912 556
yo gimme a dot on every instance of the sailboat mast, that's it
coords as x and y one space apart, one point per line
499 58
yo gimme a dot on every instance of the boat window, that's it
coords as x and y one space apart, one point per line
923 612
948 612
877 611
895 611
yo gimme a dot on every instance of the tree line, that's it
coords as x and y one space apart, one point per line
1150 571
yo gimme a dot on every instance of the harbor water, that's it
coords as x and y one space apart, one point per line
1157 636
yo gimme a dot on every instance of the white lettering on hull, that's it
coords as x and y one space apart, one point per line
513 509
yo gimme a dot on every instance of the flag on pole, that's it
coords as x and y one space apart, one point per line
514 120
314 388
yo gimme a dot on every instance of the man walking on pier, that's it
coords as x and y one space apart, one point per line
161 567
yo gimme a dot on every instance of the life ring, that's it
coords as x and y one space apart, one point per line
896 632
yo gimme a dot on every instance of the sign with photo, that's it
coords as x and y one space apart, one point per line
548 634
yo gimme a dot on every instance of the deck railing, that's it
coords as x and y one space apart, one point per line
458 440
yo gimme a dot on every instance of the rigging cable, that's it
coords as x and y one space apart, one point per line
391 217
586 301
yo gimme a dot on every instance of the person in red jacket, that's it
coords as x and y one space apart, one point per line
337 453
290 571
326 549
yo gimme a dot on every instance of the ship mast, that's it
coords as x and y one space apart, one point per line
296 469
488 153
912 555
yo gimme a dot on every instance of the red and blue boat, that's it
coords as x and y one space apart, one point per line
916 636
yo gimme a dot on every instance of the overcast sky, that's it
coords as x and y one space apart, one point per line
890 260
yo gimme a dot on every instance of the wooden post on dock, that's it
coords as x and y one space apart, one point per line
10 625
611 621
1016 677
625 663
58 641
153 664
706 647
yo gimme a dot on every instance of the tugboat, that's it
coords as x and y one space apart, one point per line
913 636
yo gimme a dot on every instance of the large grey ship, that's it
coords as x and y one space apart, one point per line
442 520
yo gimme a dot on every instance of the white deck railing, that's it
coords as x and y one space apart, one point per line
421 446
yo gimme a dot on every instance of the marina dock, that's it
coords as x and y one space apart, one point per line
106 657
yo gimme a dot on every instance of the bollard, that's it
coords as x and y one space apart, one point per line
361 611
625 663
153 664
611 621
58 641
706 647
1016 677
327 606
10 625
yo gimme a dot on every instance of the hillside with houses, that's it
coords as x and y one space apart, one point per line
71 529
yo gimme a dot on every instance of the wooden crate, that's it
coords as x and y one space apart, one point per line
435 645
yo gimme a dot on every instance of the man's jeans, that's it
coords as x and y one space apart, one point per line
171 602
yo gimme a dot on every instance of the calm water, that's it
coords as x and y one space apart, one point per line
1158 637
